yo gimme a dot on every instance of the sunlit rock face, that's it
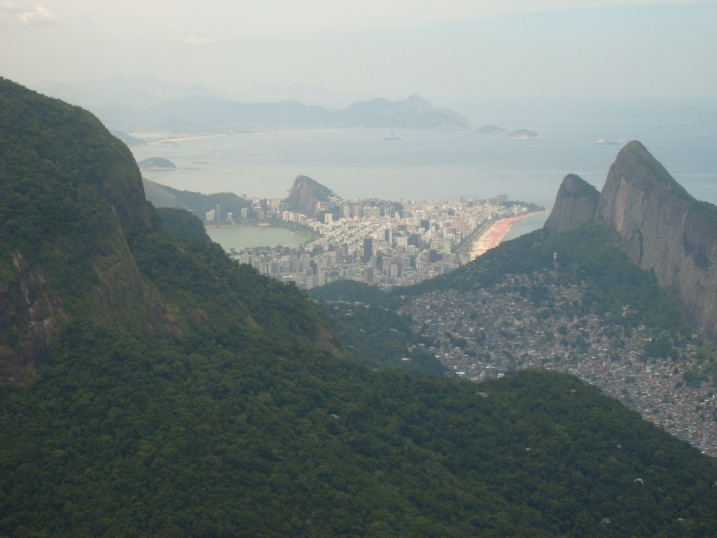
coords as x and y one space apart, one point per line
575 204
665 230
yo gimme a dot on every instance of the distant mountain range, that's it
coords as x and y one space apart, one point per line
137 93
202 113
305 93
144 103
129 139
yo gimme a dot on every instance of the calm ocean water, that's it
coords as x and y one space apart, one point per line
438 165
526 225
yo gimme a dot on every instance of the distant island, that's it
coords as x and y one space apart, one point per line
157 163
522 134
491 129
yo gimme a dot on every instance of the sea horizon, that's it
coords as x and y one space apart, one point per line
358 163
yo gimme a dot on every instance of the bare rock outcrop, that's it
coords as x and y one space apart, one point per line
575 204
305 196
664 229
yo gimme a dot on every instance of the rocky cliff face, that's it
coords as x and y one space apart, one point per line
664 229
305 196
71 202
575 204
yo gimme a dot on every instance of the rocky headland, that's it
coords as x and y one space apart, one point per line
661 227
306 195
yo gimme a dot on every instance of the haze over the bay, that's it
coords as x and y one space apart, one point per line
445 51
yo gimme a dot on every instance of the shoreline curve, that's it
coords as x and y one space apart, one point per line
496 233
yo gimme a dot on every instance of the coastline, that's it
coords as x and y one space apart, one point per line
191 137
171 139
492 237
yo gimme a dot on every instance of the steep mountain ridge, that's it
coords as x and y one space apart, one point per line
79 242
575 204
662 228
65 217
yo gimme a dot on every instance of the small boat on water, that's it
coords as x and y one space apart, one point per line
392 137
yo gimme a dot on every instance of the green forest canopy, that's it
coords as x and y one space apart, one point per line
251 418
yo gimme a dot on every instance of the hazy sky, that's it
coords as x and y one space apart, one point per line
391 48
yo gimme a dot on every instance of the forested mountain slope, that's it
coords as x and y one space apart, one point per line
239 413
70 194
199 204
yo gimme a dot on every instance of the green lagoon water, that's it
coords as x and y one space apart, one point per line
241 237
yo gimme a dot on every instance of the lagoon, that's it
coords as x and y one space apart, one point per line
241 237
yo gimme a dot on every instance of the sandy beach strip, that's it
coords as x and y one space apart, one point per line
495 234
191 137
174 139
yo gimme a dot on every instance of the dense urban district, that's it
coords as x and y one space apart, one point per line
381 243
530 321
